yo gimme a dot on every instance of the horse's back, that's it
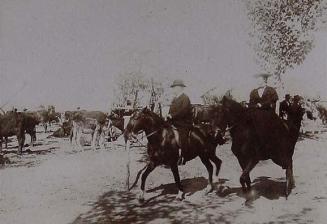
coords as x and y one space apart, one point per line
269 136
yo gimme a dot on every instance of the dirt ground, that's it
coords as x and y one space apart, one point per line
55 182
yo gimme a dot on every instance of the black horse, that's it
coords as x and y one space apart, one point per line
13 123
163 146
258 134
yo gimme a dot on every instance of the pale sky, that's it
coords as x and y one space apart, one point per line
68 52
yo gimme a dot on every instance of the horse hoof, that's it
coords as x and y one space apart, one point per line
180 195
141 200
208 190
141 197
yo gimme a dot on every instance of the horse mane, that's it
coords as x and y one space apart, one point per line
156 118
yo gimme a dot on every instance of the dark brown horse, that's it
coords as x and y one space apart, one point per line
17 123
259 134
163 148
13 123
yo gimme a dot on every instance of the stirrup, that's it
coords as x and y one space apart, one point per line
180 161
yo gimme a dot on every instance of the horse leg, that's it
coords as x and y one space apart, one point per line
32 140
174 170
94 139
290 183
245 177
78 138
217 162
146 173
1 139
71 135
21 141
102 140
292 179
6 142
208 165
34 134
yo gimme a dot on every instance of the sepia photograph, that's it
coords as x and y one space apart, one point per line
163 111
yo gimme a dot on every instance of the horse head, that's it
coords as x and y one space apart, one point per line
231 111
218 121
142 120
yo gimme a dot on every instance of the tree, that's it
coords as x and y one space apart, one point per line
212 98
138 88
282 31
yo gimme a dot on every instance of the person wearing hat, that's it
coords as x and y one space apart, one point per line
284 107
264 97
296 111
180 114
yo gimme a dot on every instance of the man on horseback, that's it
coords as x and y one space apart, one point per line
264 97
180 115
296 110
284 107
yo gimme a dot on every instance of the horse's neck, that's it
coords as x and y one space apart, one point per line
237 115
152 129
153 135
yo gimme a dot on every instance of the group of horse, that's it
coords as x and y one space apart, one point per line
256 135
73 124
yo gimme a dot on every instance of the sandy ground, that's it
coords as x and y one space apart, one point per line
57 183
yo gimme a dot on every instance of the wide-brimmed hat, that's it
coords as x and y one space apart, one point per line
178 82
297 98
263 75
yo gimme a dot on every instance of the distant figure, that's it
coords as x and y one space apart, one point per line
129 108
264 97
128 112
284 107
180 113
296 111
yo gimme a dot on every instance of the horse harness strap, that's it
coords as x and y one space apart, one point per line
152 133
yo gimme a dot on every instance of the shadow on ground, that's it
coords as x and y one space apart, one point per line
161 206
29 157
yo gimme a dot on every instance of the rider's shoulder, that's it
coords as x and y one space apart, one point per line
253 91
270 88
184 95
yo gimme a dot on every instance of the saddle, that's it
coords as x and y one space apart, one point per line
178 136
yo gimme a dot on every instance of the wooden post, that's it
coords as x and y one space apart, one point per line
127 148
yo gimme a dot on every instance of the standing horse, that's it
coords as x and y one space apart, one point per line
163 147
259 134
13 123
88 122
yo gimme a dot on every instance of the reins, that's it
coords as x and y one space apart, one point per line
138 141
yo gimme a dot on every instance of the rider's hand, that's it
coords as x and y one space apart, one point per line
259 105
168 117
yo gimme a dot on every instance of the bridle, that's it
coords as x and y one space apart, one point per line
134 135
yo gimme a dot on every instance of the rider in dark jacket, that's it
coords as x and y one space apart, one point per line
180 113
264 97
284 107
